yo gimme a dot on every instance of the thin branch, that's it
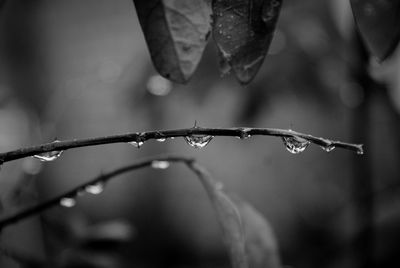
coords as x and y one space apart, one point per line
76 191
240 132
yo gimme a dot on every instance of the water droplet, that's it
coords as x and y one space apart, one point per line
67 202
96 188
157 164
220 32
172 138
295 144
198 141
137 144
360 151
161 139
328 148
244 134
48 156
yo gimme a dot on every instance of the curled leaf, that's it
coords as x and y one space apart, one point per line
176 33
243 30
379 24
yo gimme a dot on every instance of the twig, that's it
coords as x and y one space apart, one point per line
73 193
240 132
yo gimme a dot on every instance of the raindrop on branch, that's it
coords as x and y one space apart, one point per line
328 148
198 141
137 144
96 188
157 164
245 133
360 151
48 156
295 144
139 140
67 202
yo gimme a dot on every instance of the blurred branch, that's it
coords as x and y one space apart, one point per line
73 193
141 137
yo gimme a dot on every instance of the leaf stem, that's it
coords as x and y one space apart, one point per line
151 135
74 192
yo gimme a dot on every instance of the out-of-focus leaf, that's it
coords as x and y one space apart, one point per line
261 244
249 237
228 216
176 33
379 24
243 30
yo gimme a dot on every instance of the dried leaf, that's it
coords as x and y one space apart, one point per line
176 33
243 30
379 24
261 244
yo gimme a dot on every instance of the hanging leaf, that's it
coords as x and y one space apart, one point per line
261 244
243 30
247 235
228 216
176 33
379 24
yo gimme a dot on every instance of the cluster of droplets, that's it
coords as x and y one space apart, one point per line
295 144
70 201
49 156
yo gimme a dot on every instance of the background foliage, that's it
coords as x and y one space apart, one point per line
74 69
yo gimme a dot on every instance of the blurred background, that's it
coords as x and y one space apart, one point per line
78 69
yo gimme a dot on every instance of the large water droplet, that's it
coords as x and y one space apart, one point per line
157 164
67 202
328 148
97 188
198 141
48 156
295 144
